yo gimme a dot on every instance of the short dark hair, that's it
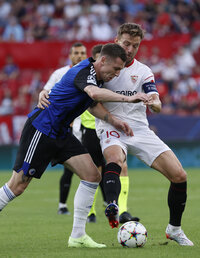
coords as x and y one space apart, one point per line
133 29
76 44
96 50
113 50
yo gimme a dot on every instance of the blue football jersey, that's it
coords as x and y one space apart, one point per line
68 100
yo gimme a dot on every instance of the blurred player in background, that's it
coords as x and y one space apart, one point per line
46 137
77 53
145 145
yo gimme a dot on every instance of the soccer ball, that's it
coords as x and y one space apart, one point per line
132 234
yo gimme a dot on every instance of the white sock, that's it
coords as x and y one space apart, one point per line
83 201
62 205
173 228
6 195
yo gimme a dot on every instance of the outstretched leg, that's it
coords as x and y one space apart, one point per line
90 177
13 188
168 164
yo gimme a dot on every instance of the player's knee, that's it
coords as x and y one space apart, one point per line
180 176
115 159
95 176
98 177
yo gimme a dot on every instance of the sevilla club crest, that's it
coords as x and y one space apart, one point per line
134 78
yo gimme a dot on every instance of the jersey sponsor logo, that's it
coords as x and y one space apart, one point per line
134 78
127 92
91 79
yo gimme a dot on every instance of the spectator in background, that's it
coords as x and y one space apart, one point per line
167 106
185 61
190 102
76 32
163 21
176 96
182 16
72 10
6 107
40 29
186 82
21 103
133 7
46 9
5 9
169 73
36 83
101 30
10 69
59 6
155 62
20 11
13 31
100 8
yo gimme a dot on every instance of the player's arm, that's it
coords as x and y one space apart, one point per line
44 94
43 99
154 103
101 112
105 95
149 87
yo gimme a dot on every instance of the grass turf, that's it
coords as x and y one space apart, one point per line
30 226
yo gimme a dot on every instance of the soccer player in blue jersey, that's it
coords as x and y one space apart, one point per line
77 53
89 140
45 136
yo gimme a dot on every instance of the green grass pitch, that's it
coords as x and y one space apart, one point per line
30 226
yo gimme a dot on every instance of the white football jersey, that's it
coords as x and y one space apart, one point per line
133 79
56 76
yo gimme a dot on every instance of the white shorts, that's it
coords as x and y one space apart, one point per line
145 145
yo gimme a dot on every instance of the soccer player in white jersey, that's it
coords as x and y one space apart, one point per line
77 53
145 145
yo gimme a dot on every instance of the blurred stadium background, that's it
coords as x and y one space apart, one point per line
35 37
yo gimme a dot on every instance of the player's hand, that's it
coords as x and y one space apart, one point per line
43 99
154 103
150 101
139 97
122 126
